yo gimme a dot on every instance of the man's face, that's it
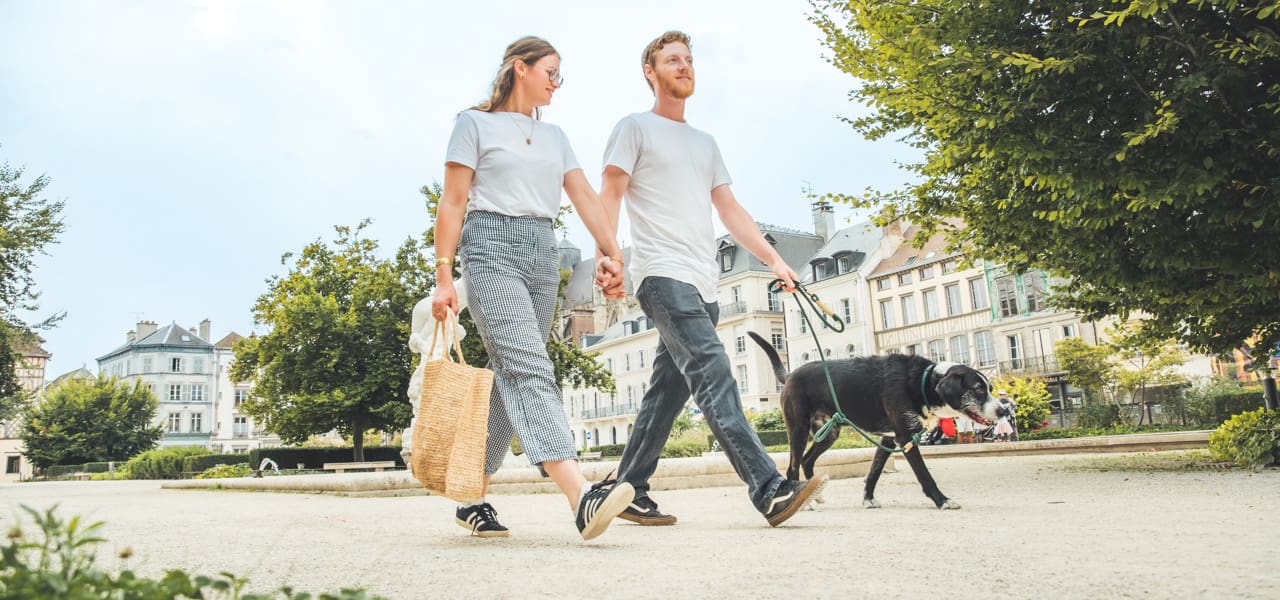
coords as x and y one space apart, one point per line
672 73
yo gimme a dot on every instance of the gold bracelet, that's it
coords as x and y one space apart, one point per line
444 262
617 259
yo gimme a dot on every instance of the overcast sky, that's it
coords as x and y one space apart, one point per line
196 142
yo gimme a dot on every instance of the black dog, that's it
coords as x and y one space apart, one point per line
893 396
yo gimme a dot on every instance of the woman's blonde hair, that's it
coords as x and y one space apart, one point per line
529 49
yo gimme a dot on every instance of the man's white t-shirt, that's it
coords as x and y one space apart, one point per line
511 177
673 168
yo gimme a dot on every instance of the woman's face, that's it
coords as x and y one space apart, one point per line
541 80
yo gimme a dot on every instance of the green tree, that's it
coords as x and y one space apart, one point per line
1088 366
337 354
1031 398
91 420
28 224
1144 361
1131 150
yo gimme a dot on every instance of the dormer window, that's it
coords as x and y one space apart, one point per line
844 262
726 256
819 268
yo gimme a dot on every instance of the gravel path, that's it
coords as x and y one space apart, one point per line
1030 527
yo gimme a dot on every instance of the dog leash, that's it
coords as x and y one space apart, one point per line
837 419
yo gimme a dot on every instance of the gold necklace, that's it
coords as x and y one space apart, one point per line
528 138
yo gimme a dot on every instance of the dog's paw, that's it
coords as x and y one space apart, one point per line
870 503
949 504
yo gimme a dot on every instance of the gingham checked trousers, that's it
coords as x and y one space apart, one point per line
513 275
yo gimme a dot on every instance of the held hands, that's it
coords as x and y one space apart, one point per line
609 277
445 299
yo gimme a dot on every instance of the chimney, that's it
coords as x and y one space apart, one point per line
204 330
191 330
130 337
824 220
146 328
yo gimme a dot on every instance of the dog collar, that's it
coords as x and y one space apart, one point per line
924 393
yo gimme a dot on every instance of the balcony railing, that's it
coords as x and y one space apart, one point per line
1033 365
732 308
610 411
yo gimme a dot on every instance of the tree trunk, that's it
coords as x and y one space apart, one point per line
357 443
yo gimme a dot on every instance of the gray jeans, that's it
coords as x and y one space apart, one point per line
690 357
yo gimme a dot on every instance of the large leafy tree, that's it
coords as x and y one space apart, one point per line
90 420
1131 147
337 355
29 223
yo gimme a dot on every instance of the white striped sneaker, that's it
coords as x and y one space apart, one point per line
481 520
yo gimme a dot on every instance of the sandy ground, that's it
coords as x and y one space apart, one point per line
1030 527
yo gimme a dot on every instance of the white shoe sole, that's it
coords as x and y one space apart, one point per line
483 534
618 500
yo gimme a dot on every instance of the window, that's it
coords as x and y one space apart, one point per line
844 263
631 395
1033 285
1007 296
985 344
196 418
175 365
175 422
609 364
883 284
913 350
726 259
937 351
775 303
978 293
908 310
930 298
954 305
197 392
960 349
12 464
737 293
904 278
911 259
740 344
742 378
948 267
803 327
146 365
641 353
927 272
241 395
776 339
1068 331
819 266
626 362
886 314
846 310
1015 351
175 392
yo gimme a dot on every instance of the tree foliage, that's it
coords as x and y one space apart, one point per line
1132 150
337 354
1130 360
90 420
1031 398
28 224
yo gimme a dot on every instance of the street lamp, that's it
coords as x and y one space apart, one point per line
1266 374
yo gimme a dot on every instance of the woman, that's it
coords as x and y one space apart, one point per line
512 166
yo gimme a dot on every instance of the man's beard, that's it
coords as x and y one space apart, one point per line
676 89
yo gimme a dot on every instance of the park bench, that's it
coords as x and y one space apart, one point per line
375 465
590 456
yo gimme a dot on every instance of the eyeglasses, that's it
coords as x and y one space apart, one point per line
554 76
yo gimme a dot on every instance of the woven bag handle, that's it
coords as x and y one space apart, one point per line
449 321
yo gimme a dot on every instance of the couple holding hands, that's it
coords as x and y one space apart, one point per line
504 169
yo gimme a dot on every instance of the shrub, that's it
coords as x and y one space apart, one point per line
1031 398
314 458
1099 414
770 420
690 443
199 464
1249 439
59 563
226 471
162 463
96 467
608 450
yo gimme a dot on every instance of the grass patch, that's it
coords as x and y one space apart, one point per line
848 440
1149 462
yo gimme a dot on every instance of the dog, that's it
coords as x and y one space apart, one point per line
895 396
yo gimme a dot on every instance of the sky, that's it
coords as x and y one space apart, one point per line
196 142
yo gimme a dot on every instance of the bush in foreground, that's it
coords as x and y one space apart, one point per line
1249 439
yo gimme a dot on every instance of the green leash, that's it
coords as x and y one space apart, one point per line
827 317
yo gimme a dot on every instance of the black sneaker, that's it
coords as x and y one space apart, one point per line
791 497
481 520
601 503
644 511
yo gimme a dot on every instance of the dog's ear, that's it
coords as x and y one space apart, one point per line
950 387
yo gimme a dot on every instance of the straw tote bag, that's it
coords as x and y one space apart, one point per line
452 424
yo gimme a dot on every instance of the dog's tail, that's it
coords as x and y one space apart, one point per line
778 370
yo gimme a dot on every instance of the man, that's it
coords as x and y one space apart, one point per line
672 176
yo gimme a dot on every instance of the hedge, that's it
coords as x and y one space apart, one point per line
1224 407
96 467
609 449
767 438
314 458
200 464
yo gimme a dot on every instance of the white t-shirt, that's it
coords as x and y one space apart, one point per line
511 177
673 168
